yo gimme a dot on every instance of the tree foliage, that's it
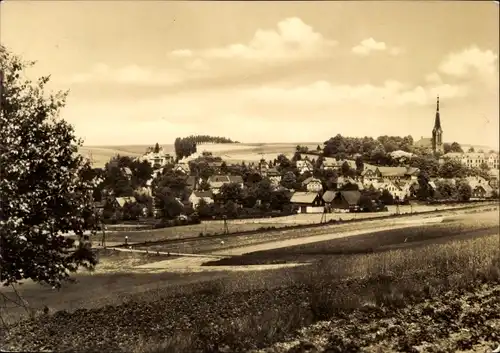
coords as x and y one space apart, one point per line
46 186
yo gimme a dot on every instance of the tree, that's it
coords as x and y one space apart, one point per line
168 204
223 168
289 180
141 173
318 148
157 148
456 148
359 165
464 190
45 185
345 169
446 190
471 150
386 197
231 192
131 211
452 169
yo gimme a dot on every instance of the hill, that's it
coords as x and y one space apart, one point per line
247 152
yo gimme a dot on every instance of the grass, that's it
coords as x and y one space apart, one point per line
255 310
238 226
378 241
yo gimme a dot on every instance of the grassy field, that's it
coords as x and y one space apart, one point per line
251 152
410 296
454 228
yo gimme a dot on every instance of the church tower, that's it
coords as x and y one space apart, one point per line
437 132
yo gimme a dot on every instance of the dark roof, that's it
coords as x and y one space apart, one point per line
352 197
273 172
329 195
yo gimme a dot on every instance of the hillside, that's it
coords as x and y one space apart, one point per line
248 152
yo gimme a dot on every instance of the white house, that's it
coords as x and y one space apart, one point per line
304 166
196 196
216 181
274 176
182 167
157 158
313 184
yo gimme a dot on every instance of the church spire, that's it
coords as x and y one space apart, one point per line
437 122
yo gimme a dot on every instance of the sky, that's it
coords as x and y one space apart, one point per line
142 72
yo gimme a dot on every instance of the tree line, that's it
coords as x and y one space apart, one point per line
186 146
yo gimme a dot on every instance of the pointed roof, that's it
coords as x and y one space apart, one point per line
437 121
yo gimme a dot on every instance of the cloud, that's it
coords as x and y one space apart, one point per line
291 39
182 53
137 75
389 94
370 45
470 61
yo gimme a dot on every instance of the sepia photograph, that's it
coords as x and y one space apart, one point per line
249 176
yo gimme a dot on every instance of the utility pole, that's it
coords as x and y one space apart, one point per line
226 228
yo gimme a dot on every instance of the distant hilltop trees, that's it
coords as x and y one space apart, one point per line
186 146
204 139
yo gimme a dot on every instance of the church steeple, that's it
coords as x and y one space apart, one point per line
437 121
437 132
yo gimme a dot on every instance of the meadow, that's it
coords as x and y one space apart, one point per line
232 153
389 301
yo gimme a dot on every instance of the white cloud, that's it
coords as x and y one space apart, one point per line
134 74
433 78
390 94
292 39
182 53
470 61
370 45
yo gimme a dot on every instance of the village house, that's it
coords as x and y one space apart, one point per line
182 167
196 196
329 163
394 189
313 184
304 166
346 200
482 191
119 202
397 173
126 172
474 159
369 175
274 176
308 202
216 181
156 157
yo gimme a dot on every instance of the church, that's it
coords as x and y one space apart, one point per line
436 141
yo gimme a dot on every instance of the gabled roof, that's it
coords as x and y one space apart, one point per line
351 197
392 171
310 180
303 197
127 171
123 200
329 195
